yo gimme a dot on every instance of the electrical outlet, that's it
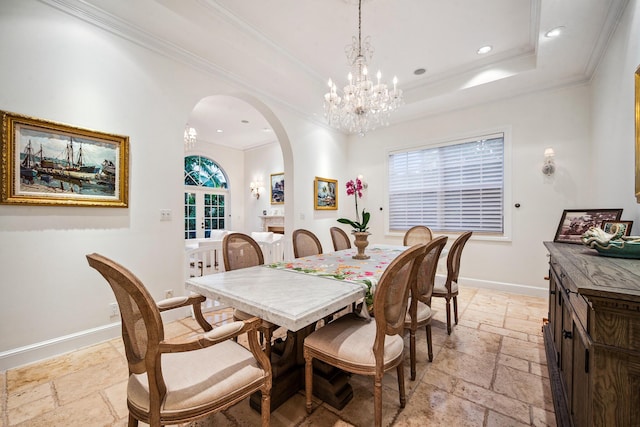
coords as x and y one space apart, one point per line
168 293
113 309
165 214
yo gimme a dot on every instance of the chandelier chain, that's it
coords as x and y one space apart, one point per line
361 106
359 27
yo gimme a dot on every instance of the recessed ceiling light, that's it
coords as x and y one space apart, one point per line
555 32
419 71
244 121
266 129
219 130
484 49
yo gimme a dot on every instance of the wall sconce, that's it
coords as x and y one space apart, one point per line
255 187
549 166
364 184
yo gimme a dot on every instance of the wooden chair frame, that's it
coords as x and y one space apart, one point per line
304 234
144 342
417 234
339 238
421 291
390 307
453 269
266 328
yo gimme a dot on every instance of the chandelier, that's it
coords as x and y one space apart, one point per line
190 135
363 105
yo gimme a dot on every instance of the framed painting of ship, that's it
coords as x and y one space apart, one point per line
48 163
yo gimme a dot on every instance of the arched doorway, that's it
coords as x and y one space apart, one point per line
210 117
205 196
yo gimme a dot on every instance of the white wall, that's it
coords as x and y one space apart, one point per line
62 69
65 70
612 103
558 119
260 163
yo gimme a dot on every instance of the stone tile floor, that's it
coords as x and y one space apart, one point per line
491 371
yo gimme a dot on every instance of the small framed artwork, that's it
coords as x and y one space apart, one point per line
575 222
48 163
614 227
277 188
324 193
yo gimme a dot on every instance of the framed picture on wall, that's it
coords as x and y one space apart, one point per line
48 163
614 227
575 222
277 188
324 193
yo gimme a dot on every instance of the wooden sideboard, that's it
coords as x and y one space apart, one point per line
592 339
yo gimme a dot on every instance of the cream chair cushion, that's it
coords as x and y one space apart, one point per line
439 288
193 380
423 313
350 339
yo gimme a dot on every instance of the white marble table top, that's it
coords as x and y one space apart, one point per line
285 298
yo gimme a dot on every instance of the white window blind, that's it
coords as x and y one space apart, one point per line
456 187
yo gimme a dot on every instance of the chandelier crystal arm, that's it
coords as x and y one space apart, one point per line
363 106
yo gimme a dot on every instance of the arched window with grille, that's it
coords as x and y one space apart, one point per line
205 196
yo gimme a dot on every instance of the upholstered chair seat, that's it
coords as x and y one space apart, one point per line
369 347
193 381
173 381
350 339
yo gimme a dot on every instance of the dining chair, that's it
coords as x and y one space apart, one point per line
241 251
173 381
417 234
419 312
447 287
363 347
340 239
305 243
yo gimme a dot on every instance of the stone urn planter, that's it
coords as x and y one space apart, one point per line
361 242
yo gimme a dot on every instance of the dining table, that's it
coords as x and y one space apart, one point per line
295 295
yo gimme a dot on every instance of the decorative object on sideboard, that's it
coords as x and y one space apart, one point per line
612 227
549 165
363 105
613 245
575 222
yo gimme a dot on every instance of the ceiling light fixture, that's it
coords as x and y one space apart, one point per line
484 49
363 105
190 135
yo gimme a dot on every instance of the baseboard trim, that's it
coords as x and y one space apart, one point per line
54 347
512 288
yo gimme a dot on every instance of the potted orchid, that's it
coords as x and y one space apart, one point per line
354 188
360 227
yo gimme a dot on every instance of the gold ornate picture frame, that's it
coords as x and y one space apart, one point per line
49 163
325 195
277 188
637 115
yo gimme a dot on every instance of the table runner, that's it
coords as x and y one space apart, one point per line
340 265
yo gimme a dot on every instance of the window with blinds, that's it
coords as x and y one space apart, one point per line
453 187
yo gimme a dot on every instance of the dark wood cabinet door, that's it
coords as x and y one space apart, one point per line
580 399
